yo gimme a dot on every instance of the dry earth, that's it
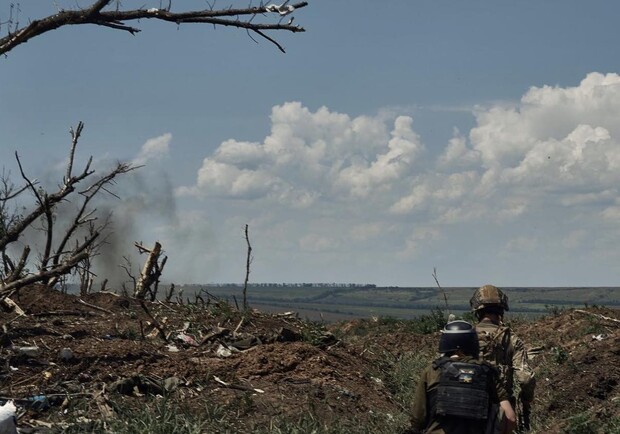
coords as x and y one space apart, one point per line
261 368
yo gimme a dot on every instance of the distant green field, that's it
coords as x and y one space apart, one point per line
332 302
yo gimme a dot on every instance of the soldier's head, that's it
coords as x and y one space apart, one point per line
459 337
488 299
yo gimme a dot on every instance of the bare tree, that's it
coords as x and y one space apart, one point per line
248 261
78 242
111 14
151 272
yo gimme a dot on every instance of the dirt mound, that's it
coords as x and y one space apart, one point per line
71 361
577 367
118 346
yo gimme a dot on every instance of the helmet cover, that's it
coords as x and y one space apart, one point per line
488 296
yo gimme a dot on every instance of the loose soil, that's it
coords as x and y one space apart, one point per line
101 349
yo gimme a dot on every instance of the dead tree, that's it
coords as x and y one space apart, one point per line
248 261
108 13
148 282
77 243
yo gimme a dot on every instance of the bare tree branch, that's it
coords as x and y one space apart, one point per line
247 269
116 19
7 289
62 260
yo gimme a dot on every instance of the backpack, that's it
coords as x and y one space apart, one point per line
494 349
462 390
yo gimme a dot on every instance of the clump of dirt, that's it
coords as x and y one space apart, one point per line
577 369
72 358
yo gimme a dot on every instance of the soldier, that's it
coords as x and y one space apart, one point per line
502 348
458 393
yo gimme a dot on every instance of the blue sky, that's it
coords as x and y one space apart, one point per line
479 137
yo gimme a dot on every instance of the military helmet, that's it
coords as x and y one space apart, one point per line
488 296
459 335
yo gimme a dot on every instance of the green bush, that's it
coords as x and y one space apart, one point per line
430 323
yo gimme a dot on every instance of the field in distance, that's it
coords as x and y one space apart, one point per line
332 302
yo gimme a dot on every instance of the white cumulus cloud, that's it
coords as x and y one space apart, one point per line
549 161
154 149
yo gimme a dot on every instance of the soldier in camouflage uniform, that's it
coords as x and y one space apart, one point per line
502 348
459 393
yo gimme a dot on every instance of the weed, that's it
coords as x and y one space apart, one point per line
400 374
582 423
375 423
315 333
130 333
593 326
427 324
554 310
158 416
560 355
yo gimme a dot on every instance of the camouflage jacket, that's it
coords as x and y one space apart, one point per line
424 422
503 349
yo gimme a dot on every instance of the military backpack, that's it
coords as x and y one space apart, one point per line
462 390
494 350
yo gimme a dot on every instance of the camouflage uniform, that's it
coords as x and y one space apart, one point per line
499 346
424 422
509 356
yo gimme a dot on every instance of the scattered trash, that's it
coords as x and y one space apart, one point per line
223 352
599 337
33 351
140 385
183 337
172 348
38 402
7 418
171 383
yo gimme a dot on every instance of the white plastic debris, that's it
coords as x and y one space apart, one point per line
32 351
223 352
8 422
282 9
598 337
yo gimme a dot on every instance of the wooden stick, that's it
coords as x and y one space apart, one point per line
92 306
597 315
155 323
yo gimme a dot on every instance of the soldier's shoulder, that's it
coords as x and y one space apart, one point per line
487 326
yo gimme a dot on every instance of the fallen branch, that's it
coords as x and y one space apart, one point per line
597 315
92 306
155 323
61 313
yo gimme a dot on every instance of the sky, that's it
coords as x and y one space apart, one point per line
480 139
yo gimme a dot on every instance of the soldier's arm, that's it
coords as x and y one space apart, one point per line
522 370
418 414
510 417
